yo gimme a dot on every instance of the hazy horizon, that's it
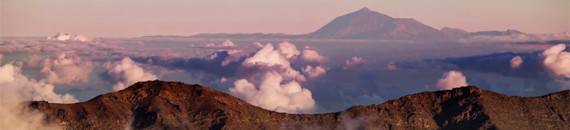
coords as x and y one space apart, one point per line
23 18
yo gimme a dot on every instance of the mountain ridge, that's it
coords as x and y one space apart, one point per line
366 24
175 105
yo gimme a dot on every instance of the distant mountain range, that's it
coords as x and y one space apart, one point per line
175 105
371 25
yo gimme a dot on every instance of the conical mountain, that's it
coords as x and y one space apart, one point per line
368 24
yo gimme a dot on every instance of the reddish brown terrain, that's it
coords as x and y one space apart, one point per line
175 105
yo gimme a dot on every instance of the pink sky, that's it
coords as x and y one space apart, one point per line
134 18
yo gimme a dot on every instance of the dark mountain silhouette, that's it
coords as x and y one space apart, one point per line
175 105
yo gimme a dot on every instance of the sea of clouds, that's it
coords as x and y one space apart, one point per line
281 76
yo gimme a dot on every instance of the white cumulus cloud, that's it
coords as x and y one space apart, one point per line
267 56
126 72
12 82
68 37
270 59
269 81
451 79
274 94
288 50
66 68
516 62
355 63
557 61
310 55
314 72
228 43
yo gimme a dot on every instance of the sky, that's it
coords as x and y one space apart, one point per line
135 18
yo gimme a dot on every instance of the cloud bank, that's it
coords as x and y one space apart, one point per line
68 37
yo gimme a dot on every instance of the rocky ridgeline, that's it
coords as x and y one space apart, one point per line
175 105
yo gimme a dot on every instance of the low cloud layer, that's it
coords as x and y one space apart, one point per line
126 72
551 63
530 66
514 36
360 82
66 68
451 79
557 61
68 37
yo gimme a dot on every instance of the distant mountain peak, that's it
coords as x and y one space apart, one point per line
368 24
366 12
364 9
513 31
